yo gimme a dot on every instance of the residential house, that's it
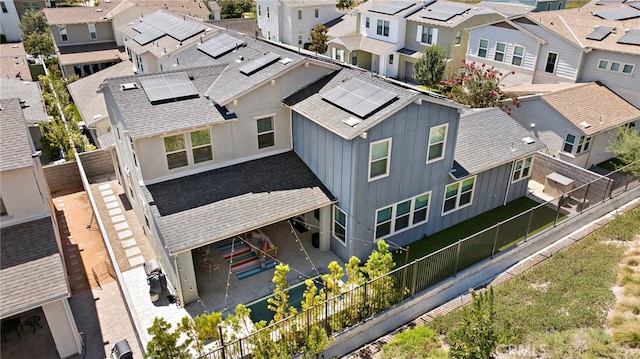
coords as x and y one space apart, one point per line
534 5
34 111
291 21
10 22
577 123
155 36
213 159
565 46
23 6
508 8
33 280
404 164
91 105
378 37
441 23
84 38
14 63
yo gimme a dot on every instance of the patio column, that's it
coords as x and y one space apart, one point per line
325 228
63 327
187 277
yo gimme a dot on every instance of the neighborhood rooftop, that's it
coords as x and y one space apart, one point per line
211 206
31 268
29 92
448 13
79 14
592 107
477 130
15 148
143 118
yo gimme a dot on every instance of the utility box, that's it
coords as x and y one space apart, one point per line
557 184
121 350
156 279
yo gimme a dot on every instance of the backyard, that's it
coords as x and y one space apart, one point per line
564 307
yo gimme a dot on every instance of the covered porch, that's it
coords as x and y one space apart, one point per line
235 280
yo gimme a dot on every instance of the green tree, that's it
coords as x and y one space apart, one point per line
479 86
345 4
164 344
627 148
201 329
430 67
279 302
235 8
354 273
381 290
315 339
38 44
33 21
476 337
319 39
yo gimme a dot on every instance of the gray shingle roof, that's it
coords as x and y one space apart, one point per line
31 268
488 138
231 82
143 119
309 103
15 144
90 103
211 206
29 92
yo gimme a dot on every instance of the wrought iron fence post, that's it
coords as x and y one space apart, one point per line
555 221
495 240
606 189
455 269
526 233
414 276
627 184
326 316
586 193
241 351
222 346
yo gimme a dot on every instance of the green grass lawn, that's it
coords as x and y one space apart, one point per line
611 164
560 307
543 218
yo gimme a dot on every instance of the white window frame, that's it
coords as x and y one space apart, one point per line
395 216
300 39
521 169
580 144
486 49
63 33
338 54
185 150
607 65
427 35
193 148
189 148
271 132
390 59
458 195
516 56
299 14
4 10
383 25
93 35
630 72
367 22
584 144
458 38
503 52
443 142
605 62
335 223
387 158
555 63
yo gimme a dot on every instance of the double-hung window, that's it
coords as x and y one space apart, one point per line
458 37
402 215
483 47
576 145
550 65
458 195
522 168
201 146
63 33
92 31
175 148
339 224
266 132
501 48
194 147
427 35
379 159
437 140
383 28
518 55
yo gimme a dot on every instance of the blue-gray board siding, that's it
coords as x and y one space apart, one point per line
591 72
568 54
511 37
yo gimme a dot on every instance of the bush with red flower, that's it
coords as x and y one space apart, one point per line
479 86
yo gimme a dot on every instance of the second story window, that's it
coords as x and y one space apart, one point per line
4 7
501 48
259 10
458 37
268 14
367 22
518 55
483 46
299 14
63 33
383 28
427 35
339 55
201 146
576 145
522 168
550 65
175 149
92 31
316 12
437 139
379 159
266 133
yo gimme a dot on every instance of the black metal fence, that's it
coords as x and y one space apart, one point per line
359 303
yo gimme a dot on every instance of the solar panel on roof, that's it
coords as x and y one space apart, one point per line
618 13
444 12
220 45
391 8
259 63
148 36
635 4
600 32
359 97
631 37
173 26
606 2
168 86
142 27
